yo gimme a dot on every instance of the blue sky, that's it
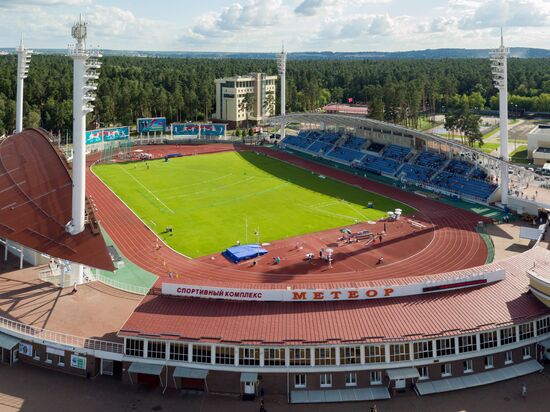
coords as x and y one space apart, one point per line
261 25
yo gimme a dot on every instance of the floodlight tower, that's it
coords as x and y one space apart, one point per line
281 63
500 77
85 74
23 63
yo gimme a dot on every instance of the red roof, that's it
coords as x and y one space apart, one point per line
346 108
35 205
413 317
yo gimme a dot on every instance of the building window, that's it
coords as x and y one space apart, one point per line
326 380
375 353
134 347
508 357
423 372
376 377
299 357
201 354
488 339
445 347
423 350
61 361
350 355
446 370
49 358
468 366
351 379
156 349
526 352
225 355
507 335
325 356
249 356
543 326
274 357
489 362
467 343
178 351
300 381
399 352
526 331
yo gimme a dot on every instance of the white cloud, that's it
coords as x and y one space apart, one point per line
237 21
507 13
310 8
21 3
261 25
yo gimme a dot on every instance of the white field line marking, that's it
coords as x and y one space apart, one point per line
151 193
210 190
236 199
327 213
355 210
202 182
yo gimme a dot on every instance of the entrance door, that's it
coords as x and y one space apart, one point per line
152 381
5 358
400 384
249 391
107 367
194 384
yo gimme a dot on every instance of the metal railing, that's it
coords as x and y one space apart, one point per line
39 334
48 275
126 287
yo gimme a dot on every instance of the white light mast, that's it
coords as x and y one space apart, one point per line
281 63
500 77
85 74
23 63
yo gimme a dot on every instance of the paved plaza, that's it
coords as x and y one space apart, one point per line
28 388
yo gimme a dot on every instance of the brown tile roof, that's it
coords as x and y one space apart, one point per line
35 202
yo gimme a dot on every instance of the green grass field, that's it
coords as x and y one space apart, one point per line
210 200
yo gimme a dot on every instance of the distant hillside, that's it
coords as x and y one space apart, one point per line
519 52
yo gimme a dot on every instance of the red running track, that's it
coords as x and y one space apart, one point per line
455 244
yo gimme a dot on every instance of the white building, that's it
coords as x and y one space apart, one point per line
538 145
232 91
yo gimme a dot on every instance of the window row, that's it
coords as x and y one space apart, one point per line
325 379
347 355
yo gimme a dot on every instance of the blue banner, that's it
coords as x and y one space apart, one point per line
93 136
212 129
116 133
151 124
187 129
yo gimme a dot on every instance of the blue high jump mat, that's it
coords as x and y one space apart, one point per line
240 253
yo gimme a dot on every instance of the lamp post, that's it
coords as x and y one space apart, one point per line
23 63
500 77
281 64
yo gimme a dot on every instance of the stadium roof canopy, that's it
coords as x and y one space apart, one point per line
36 198
343 120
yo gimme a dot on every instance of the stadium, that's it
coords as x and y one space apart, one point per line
351 261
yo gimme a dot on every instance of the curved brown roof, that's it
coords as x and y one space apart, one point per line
35 202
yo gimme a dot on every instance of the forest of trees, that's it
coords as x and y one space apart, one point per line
399 91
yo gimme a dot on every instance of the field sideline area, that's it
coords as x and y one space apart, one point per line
210 200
